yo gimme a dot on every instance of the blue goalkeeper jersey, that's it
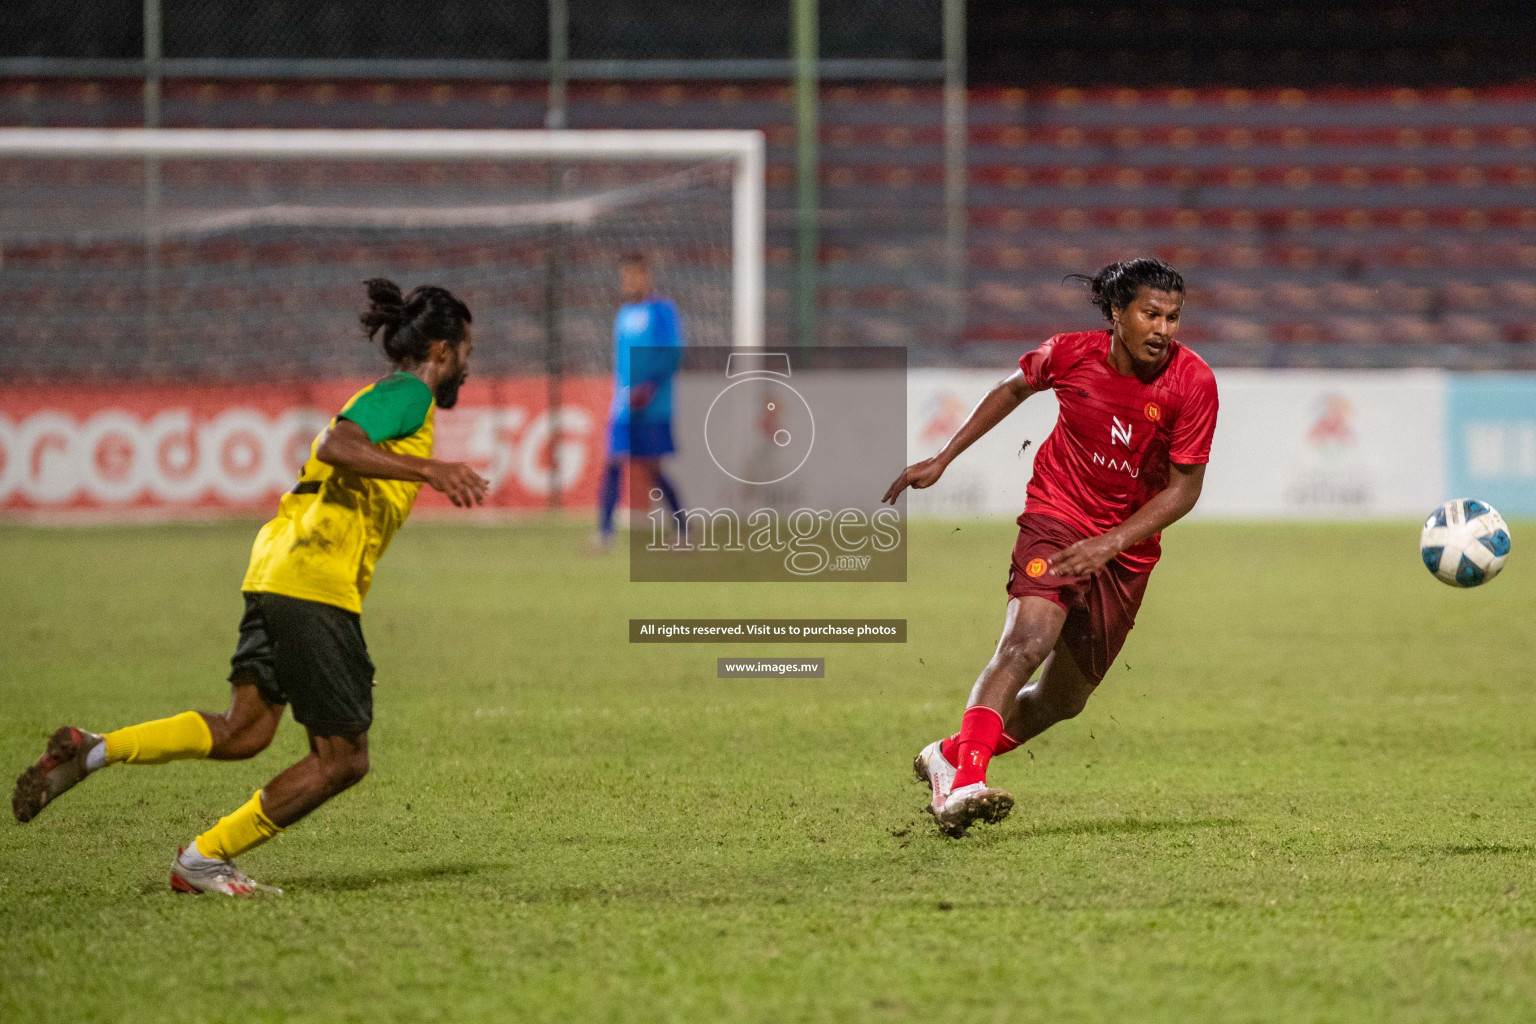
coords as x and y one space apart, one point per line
651 326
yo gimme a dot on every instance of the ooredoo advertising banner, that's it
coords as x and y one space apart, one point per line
234 449
1289 444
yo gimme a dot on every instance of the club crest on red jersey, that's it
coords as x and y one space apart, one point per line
1035 568
1154 411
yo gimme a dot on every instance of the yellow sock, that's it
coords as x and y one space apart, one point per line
167 739
239 832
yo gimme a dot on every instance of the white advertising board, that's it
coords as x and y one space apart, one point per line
1301 444
989 479
1292 444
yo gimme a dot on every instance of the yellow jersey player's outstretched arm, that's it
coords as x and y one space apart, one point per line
345 445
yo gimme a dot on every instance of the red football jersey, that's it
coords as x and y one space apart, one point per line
1115 435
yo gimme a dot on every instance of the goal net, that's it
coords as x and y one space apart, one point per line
228 255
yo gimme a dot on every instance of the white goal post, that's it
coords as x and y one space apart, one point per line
744 149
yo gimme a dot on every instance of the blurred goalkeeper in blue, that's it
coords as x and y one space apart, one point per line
647 347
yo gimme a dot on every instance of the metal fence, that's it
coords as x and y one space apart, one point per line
664 39
553 47
1380 226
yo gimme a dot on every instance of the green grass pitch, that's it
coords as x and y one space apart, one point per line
1305 793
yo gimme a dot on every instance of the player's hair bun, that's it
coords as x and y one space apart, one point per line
411 323
1116 285
386 306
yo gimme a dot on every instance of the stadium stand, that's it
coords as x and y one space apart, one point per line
1322 227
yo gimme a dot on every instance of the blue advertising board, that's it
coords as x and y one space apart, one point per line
1490 444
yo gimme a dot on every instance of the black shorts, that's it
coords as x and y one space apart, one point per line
311 655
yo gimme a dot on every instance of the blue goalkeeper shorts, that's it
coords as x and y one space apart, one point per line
643 440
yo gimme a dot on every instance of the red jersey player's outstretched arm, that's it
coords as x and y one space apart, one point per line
1006 395
1167 507
346 446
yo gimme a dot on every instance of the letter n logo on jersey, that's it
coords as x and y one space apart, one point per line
1120 433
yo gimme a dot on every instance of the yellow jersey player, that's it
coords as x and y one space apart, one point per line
301 638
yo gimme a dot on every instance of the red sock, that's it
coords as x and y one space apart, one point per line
980 729
949 749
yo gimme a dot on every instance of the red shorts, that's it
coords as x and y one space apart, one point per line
1101 609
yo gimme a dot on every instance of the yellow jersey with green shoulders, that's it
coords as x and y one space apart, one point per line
332 527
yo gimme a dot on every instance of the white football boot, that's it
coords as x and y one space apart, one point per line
221 876
931 767
969 804
60 768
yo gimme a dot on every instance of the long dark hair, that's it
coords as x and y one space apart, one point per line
1116 286
411 323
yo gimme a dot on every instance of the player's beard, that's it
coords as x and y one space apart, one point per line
447 391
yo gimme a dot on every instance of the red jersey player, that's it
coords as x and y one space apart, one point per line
1125 460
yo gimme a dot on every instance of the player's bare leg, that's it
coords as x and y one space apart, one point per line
1030 632
1060 692
73 754
334 764
246 728
936 764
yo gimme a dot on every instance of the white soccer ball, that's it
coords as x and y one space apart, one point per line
1464 543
